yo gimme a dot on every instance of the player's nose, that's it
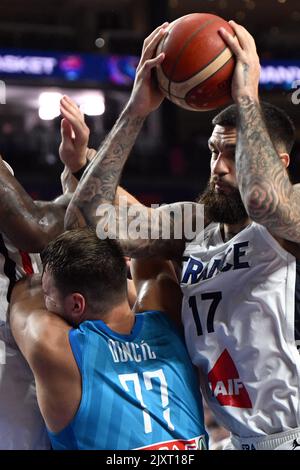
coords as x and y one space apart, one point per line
219 166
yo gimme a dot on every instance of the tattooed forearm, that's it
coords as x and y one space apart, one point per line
246 74
256 161
100 180
266 190
94 198
159 233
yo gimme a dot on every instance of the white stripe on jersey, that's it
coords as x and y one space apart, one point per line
238 313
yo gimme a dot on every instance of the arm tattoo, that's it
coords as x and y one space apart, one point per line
246 73
266 190
99 183
159 232
95 196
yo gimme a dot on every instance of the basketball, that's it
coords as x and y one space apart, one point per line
198 66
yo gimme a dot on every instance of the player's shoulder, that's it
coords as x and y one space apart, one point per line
48 336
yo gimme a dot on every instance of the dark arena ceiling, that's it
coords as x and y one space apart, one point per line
76 24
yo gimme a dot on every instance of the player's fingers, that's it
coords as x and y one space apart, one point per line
244 37
71 103
79 133
151 63
152 35
231 41
151 47
66 129
66 113
69 100
80 128
72 107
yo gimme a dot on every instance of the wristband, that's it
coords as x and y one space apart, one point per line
78 174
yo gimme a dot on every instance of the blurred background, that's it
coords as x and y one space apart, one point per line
89 50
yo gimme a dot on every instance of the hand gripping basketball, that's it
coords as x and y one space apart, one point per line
246 75
197 70
146 96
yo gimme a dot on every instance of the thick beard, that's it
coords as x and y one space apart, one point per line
223 208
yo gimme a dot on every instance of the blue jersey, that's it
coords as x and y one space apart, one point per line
138 390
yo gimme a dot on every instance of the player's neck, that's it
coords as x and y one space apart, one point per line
120 319
229 231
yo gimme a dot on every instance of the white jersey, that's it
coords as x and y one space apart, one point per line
240 300
21 424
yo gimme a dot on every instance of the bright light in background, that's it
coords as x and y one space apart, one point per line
49 105
100 42
92 104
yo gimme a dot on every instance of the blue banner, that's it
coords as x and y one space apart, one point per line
118 70
106 69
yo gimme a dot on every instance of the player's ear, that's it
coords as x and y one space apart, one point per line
75 306
285 158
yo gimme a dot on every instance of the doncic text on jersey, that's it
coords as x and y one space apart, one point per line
129 351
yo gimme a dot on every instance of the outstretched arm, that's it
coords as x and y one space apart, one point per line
100 181
98 186
268 195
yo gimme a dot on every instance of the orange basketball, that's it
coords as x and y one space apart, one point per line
197 69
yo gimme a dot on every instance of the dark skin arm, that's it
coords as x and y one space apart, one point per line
29 225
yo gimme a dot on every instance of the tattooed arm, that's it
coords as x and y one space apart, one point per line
100 180
268 195
99 183
97 189
267 192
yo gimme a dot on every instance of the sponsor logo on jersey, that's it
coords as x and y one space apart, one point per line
225 383
197 443
234 258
